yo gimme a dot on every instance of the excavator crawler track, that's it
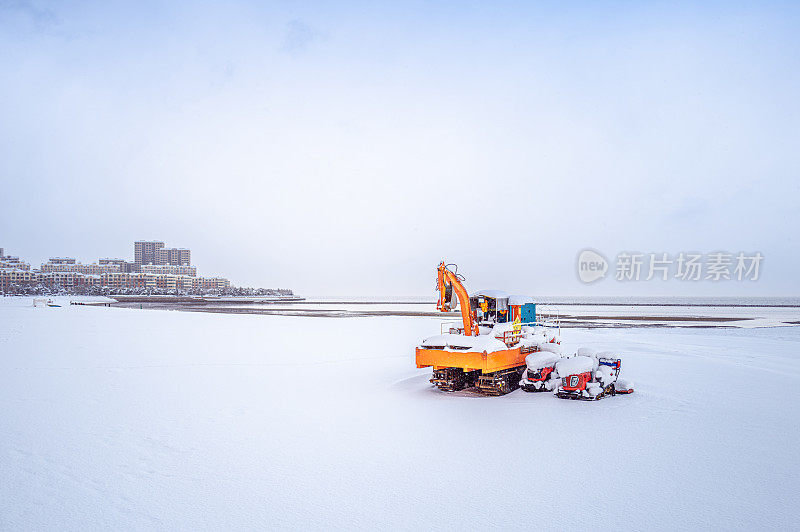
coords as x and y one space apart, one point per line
500 382
454 379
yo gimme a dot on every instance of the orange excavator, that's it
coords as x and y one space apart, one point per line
488 352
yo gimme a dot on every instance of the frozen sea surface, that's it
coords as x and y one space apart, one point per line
127 418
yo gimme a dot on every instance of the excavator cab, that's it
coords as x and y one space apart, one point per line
491 307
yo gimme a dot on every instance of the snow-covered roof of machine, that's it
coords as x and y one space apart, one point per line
541 360
516 299
494 294
575 365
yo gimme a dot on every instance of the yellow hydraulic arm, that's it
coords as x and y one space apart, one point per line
447 278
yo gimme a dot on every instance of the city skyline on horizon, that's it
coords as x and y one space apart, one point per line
154 267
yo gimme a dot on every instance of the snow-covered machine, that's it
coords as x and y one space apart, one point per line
590 377
488 352
502 346
540 374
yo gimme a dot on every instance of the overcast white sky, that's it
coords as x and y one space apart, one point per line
346 148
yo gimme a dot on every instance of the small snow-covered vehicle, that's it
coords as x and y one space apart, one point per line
540 374
591 377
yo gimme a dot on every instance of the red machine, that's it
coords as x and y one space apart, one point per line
541 373
590 378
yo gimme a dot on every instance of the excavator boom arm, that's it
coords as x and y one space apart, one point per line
446 277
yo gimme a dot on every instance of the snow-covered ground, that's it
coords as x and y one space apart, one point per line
126 418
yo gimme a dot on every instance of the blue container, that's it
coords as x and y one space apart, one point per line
528 313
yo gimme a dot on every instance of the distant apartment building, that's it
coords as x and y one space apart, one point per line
68 279
146 251
119 262
9 278
174 256
169 269
154 252
62 260
211 283
119 280
85 269
13 263
124 266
